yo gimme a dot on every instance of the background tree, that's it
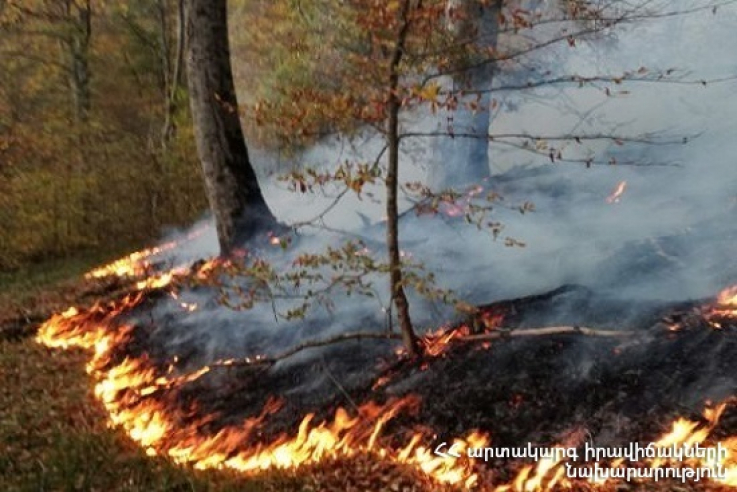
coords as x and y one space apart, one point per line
80 106
381 64
464 161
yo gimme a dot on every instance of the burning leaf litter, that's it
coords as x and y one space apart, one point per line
140 397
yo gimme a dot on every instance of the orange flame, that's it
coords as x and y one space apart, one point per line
128 390
137 263
547 475
438 342
728 297
726 307
135 392
550 473
616 195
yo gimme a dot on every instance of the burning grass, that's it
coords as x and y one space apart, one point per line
53 434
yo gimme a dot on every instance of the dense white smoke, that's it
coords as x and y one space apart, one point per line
670 236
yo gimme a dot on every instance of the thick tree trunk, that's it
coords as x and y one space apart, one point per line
464 161
232 187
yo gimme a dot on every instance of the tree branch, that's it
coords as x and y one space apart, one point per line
546 331
344 337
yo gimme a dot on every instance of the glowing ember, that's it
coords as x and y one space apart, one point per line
616 195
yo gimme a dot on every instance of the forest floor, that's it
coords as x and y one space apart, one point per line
53 432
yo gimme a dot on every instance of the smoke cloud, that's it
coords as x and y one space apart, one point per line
670 236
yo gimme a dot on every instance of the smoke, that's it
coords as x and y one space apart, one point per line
670 236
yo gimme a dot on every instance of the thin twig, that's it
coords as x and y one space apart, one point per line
339 386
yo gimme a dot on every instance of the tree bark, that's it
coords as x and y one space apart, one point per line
78 45
464 161
392 211
232 187
172 61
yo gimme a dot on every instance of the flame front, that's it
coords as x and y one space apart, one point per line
550 474
134 393
133 265
138 263
137 395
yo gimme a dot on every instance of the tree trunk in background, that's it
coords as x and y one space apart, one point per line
172 58
232 187
77 43
462 160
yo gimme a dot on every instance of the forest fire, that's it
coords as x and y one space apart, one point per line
138 263
511 299
127 389
140 397
725 307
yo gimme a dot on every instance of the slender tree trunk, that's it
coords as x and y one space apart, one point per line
232 187
392 212
463 161
165 59
172 61
179 53
78 44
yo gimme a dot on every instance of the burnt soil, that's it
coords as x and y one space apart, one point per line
541 389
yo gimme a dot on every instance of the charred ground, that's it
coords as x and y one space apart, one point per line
546 390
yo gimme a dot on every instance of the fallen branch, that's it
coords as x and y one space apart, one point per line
361 335
494 335
546 331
